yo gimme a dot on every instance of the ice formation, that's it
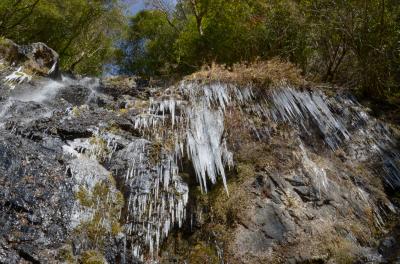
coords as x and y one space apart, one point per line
87 172
293 106
17 77
53 68
199 125
190 119
187 121
205 145
157 196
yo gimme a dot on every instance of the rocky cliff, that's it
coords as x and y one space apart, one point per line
249 166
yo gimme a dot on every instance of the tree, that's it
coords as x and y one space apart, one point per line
348 42
81 31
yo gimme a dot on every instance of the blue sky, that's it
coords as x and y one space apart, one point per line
137 6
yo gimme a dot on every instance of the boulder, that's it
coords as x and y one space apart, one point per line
41 59
35 58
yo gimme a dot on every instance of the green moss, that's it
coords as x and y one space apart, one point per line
101 190
105 203
76 111
112 180
2 66
65 254
107 206
92 257
3 40
113 128
203 253
116 228
123 111
5 43
83 196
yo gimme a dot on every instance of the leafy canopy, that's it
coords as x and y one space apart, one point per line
81 31
350 42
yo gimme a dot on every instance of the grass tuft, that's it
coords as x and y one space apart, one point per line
259 73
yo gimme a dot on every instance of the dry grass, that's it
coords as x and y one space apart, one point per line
120 80
258 73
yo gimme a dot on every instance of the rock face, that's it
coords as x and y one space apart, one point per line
96 171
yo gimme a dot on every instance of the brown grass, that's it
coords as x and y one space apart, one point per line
259 73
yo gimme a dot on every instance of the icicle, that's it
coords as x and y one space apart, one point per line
17 77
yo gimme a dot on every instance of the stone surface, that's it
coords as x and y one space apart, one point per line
36 58
292 199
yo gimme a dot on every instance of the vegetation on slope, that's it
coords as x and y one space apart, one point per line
353 43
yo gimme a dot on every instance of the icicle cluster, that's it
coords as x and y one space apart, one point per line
191 121
157 197
369 136
294 106
188 121
205 145
197 122
87 172
347 124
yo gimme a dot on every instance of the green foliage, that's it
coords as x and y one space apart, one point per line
356 41
203 31
81 31
350 42
150 43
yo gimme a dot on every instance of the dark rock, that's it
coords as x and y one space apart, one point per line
27 254
118 86
296 180
30 177
76 95
306 193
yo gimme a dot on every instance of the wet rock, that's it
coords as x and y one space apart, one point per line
118 86
31 178
76 95
41 59
92 168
